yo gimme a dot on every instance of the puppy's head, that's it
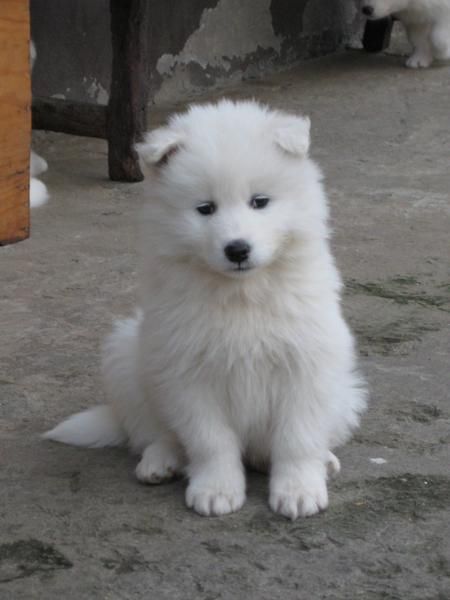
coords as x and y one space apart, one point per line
378 9
230 187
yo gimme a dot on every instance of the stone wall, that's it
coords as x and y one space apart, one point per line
193 44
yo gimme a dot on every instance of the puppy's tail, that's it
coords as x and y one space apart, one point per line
93 428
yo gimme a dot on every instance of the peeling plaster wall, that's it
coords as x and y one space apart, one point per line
74 51
193 44
229 37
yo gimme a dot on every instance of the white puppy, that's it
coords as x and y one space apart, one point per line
427 24
240 353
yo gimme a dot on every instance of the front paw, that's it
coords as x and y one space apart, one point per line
418 61
299 491
216 494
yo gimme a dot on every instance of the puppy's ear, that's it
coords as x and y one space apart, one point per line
158 146
291 134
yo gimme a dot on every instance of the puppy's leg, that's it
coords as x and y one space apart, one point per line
300 457
422 56
440 40
298 482
161 461
215 470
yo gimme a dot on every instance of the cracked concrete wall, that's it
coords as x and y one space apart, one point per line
193 44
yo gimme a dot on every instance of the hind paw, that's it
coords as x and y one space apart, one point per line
161 461
333 465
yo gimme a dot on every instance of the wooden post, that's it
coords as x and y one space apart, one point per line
126 118
15 122
377 35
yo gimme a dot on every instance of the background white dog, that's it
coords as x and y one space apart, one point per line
240 353
427 24
38 165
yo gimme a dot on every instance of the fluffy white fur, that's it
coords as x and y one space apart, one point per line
38 190
427 24
228 364
38 193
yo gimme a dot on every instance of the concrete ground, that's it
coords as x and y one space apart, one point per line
75 524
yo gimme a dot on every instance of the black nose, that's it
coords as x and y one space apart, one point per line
367 10
237 251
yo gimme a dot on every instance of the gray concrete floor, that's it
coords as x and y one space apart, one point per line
75 523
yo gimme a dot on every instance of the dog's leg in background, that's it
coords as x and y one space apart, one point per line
419 36
215 469
38 164
440 40
38 190
38 193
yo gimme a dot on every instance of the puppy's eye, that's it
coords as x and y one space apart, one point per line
206 208
259 201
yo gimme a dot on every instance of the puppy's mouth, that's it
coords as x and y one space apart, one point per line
242 267
240 270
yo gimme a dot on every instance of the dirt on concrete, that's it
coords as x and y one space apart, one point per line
76 524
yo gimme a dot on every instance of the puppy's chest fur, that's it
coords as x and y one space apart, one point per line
233 339
244 359
245 352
